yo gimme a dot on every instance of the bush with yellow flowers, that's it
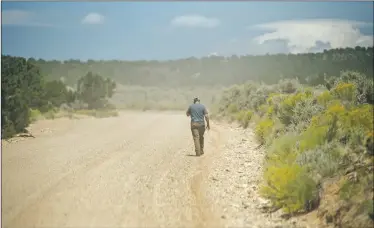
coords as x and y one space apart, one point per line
309 133
345 91
263 129
323 127
289 187
324 98
286 109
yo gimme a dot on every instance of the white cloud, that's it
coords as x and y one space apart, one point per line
194 21
20 17
93 18
213 54
307 35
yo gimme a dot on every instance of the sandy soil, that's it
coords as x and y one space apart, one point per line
135 170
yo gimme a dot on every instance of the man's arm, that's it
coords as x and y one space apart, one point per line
207 119
188 113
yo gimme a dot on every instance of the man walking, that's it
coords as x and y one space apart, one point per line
198 113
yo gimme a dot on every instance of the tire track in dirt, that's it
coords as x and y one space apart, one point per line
157 163
99 158
206 215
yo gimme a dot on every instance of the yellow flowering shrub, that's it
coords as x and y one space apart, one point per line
288 187
263 129
272 97
323 127
361 116
345 91
262 109
288 104
270 111
324 98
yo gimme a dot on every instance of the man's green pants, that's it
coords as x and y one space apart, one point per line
198 131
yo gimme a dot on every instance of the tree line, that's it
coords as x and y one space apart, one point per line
308 68
23 87
44 85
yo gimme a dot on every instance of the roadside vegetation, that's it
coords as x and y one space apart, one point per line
319 144
26 96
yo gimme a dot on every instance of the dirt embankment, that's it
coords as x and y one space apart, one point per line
135 170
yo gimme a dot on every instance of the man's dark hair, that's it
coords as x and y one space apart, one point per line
196 99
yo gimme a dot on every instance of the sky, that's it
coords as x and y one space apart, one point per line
174 30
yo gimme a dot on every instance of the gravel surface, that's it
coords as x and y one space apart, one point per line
135 170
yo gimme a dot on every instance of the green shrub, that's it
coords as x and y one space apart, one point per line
286 110
289 85
35 115
232 108
364 89
244 117
303 113
283 150
51 114
349 189
323 160
8 130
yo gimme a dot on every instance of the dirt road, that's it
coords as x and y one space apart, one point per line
135 170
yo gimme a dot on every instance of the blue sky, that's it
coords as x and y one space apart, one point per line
170 30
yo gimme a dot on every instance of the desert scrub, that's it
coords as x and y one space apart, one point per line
278 130
35 115
263 129
286 109
345 91
232 108
283 150
324 98
244 117
354 190
369 143
323 127
262 110
270 111
289 85
313 137
356 124
50 114
363 84
303 113
361 116
289 187
322 161
274 101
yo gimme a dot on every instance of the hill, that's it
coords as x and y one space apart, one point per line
215 70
